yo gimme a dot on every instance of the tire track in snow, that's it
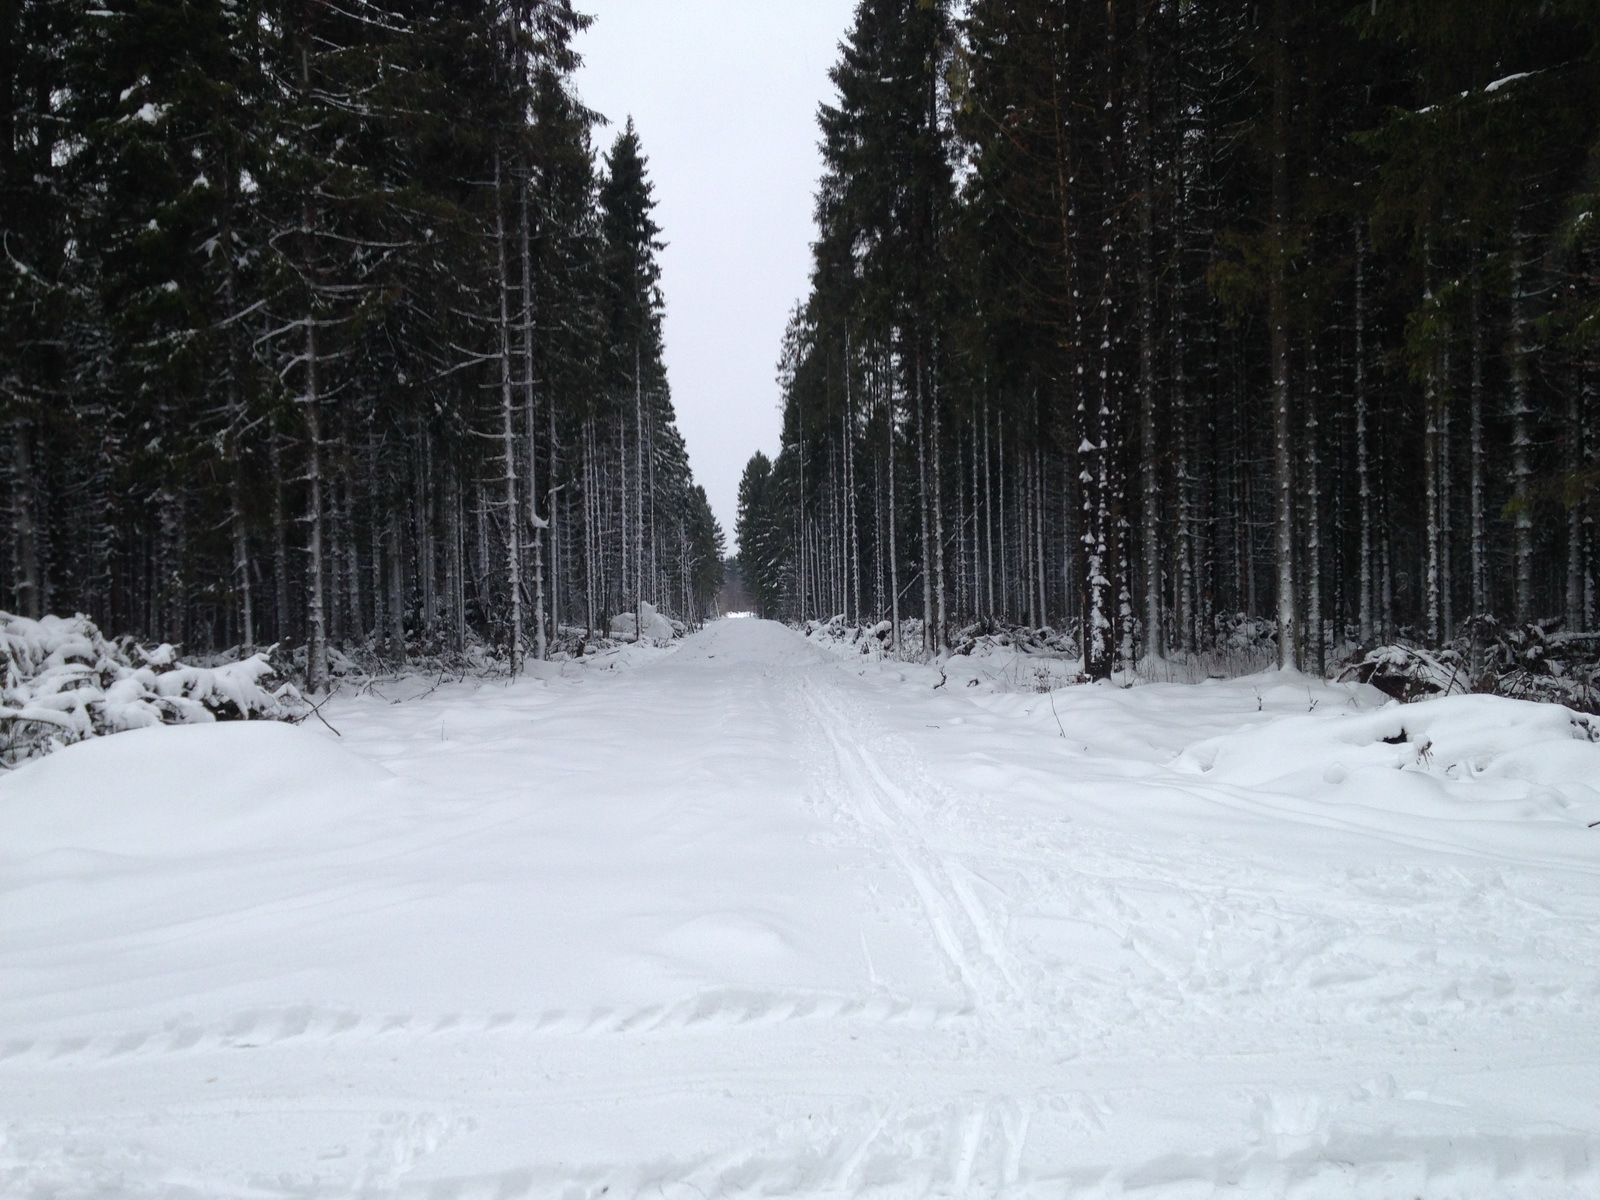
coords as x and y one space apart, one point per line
285 1028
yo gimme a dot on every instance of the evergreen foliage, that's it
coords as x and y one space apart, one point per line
323 326
1150 320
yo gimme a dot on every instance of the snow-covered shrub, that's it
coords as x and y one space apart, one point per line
986 636
62 680
1242 632
1410 673
1537 661
649 626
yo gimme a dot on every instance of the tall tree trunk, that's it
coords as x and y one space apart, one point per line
508 440
1187 608
280 539
1572 465
536 522
590 580
1478 547
942 626
395 603
27 592
556 555
922 508
1430 490
641 591
1150 504
241 556
1446 528
894 550
988 520
316 618
1316 646
1364 598
1038 534
1278 315
850 483
1521 437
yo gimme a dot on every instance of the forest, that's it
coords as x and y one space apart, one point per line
325 325
1177 326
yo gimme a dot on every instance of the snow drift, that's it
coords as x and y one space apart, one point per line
173 791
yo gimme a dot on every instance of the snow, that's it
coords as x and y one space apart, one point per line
1507 79
751 915
657 628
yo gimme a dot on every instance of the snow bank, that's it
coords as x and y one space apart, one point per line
657 628
62 681
1476 757
173 791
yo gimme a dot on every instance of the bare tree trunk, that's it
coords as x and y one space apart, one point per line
241 556
338 599
938 533
1572 464
352 559
1430 488
1521 437
1446 573
852 515
395 609
894 551
975 564
556 560
1278 304
1002 474
1026 566
1363 458
1478 548
280 540
530 423
1313 498
1591 462
988 519
317 633
27 593
626 587
1038 535
1180 413
1150 505
922 507
427 562
639 589
508 440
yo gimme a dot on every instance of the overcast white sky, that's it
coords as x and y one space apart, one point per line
724 94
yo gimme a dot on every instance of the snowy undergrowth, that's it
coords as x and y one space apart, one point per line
995 656
1537 661
1530 662
1001 657
432 663
63 681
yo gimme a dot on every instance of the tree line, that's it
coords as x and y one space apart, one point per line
325 325
1157 321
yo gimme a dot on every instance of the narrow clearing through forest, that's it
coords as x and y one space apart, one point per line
751 917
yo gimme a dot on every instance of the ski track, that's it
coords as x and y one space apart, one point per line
1046 1003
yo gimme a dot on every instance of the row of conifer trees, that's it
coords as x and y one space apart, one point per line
1160 320
323 325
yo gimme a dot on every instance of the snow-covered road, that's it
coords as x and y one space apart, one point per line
749 917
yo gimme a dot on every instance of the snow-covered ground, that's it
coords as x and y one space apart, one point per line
750 917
